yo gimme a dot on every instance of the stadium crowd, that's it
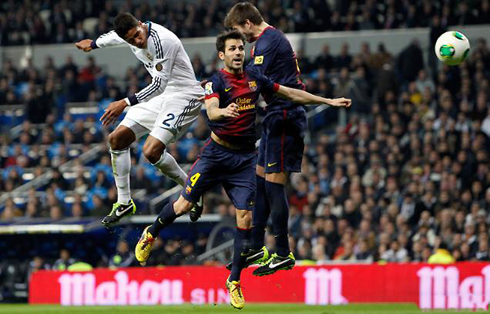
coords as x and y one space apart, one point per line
61 21
408 173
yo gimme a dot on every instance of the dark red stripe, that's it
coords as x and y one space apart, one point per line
192 167
206 144
244 229
195 162
283 138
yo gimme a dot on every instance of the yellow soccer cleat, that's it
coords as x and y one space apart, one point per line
143 247
236 296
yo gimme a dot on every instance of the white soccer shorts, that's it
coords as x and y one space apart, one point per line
166 117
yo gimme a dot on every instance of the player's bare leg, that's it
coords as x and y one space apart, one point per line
120 140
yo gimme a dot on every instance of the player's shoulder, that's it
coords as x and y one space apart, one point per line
271 34
271 38
218 78
160 33
214 83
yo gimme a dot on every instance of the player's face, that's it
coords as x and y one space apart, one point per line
246 30
137 36
234 54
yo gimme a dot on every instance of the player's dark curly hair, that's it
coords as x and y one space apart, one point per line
241 12
123 23
224 36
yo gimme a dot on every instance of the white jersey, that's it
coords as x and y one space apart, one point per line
164 58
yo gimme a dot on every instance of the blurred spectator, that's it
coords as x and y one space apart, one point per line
441 256
36 264
64 261
410 61
124 257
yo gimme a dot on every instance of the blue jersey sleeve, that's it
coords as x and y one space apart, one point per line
264 53
213 87
264 83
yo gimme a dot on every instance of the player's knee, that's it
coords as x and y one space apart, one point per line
260 171
115 141
244 219
152 153
182 206
121 138
278 178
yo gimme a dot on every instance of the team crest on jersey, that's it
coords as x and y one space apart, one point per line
188 190
259 60
159 66
209 88
252 85
149 56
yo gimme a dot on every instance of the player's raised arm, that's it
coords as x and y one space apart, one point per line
305 98
105 40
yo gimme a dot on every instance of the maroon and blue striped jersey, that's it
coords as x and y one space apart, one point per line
244 90
274 57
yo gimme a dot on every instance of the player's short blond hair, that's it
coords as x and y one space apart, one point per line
240 13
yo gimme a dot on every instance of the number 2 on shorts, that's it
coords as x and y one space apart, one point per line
194 178
170 117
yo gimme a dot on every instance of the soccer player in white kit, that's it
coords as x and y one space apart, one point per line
165 109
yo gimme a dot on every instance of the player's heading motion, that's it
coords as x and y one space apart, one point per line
164 109
283 129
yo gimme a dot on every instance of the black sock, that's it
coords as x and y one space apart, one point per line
240 244
280 215
260 215
165 218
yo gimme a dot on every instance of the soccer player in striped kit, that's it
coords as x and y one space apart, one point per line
282 141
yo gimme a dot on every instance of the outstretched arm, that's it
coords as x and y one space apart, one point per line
305 98
105 40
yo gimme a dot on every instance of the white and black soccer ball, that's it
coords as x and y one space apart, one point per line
452 48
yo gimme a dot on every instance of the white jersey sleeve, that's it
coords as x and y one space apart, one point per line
108 40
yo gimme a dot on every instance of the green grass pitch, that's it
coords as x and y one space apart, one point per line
249 308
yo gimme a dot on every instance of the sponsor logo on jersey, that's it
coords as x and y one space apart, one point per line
227 89
259 60
244 104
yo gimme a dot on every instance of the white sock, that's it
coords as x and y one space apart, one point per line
121 165
169 167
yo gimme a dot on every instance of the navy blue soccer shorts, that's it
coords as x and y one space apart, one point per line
235 170
282 142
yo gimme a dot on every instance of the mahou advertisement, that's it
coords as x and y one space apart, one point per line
463 285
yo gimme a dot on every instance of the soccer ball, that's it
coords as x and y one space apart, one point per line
452 48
